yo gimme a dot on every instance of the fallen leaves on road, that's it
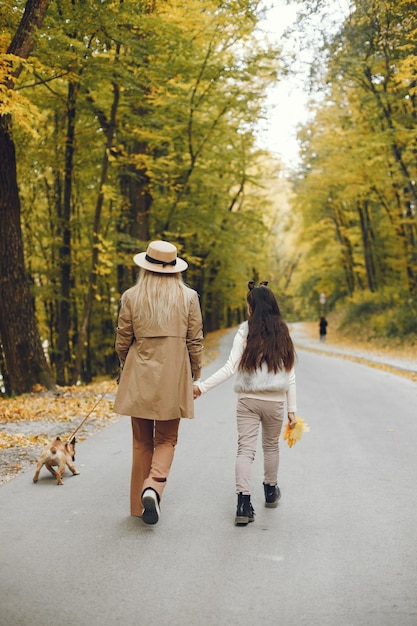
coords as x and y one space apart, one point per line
9 441
68 405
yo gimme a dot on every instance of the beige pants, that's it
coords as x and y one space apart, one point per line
250 414
153 452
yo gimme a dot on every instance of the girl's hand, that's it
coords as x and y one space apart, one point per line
196 392
292 419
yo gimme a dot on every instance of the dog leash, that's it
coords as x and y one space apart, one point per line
86 417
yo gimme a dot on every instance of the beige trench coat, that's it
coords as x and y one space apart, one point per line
159 364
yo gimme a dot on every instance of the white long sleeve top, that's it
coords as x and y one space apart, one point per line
261 385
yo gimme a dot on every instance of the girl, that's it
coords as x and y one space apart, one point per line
263 357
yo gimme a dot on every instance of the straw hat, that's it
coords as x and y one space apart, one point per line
161 257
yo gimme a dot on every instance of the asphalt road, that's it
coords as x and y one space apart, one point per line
340 549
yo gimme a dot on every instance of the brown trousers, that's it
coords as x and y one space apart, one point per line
153 452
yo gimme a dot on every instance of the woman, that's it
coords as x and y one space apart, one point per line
159 344
263 357
323 328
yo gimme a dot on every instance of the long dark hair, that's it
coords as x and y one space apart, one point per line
268 339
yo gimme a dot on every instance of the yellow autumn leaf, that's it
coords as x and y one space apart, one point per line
292 435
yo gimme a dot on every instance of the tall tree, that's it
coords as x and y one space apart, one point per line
93 277
25 358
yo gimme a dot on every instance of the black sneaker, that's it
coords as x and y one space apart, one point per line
150 501
272 495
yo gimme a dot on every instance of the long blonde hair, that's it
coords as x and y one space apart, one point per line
157 296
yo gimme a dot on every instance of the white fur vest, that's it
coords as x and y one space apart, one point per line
261 380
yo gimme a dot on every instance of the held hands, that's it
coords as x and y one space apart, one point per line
196 392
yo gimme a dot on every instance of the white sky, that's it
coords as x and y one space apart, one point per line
287 101
287 109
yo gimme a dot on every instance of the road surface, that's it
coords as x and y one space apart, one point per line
340 549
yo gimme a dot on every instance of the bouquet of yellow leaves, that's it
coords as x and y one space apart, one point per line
292 435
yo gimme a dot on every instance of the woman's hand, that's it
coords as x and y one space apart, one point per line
196 392
292 419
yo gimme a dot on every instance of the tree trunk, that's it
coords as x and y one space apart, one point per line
368 244
25 359
62 348
22 347
345 246
92 284
133 223
396 220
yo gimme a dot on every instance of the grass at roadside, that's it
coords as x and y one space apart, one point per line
361 339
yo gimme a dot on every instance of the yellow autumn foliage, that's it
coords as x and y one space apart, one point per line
8 440
69 404
292 435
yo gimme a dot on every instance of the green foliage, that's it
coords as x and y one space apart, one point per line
185 83
387 314
355 192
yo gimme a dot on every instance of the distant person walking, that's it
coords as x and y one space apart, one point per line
323 328
159 343
263 357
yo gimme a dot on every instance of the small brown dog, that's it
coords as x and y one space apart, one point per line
59 454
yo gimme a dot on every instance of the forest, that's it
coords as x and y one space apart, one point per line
122 122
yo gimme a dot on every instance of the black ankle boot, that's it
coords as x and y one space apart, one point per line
272 495
244 511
